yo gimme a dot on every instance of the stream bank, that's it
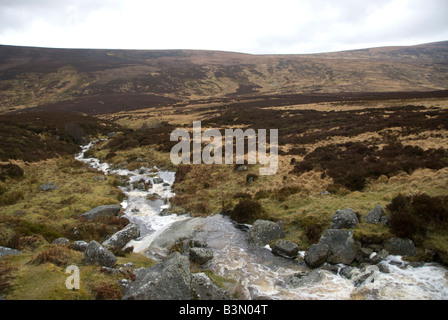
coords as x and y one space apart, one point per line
254 270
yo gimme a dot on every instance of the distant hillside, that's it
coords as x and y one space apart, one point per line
104 81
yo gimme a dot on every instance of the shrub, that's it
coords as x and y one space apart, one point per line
246 211
10 170
57 255
107 291
412 216
283 193
27 228
262 194
313 230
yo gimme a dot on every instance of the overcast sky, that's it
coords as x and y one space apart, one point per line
250 26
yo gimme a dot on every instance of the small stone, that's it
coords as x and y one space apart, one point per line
285 248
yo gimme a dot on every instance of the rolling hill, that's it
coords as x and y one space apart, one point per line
107 81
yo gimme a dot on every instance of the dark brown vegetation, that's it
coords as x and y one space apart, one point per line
246 211
352 164
413 216
38 136
159 136
105 81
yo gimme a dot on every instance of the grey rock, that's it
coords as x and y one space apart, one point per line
202 288
264 232
374 215
362 279
61 241
201 255
378 257
19 213
80 245
364 254
173 210
199 240
400 247
4 251
48 186
102 211
96 253
241 168
384 220
304 279
317 254
157 180
168 280
344 219
346 272
121 238
285 248
342 246
176 233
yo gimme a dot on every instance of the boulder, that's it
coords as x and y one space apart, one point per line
102 211
344 219
374 215
202 288
121 238
400 247
96 253
178 232
200 255
80 245
285 248
61 241
48 186
168 280
4 251
264 232
316 255
341 244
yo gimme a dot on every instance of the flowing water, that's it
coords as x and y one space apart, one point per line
258 274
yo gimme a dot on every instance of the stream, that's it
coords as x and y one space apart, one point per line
257 273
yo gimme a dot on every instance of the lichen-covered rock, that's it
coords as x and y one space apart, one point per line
316 255
375 215
200 255
264 232
285 248
202 288
96 253
119 239
102 211
342 246
400 247
168 280
344 219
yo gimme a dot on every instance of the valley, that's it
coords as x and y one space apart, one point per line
357 129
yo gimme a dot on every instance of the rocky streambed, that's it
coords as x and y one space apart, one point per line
241 254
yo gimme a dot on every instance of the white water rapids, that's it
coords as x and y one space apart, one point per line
257 272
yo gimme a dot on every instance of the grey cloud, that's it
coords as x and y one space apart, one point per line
19 14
